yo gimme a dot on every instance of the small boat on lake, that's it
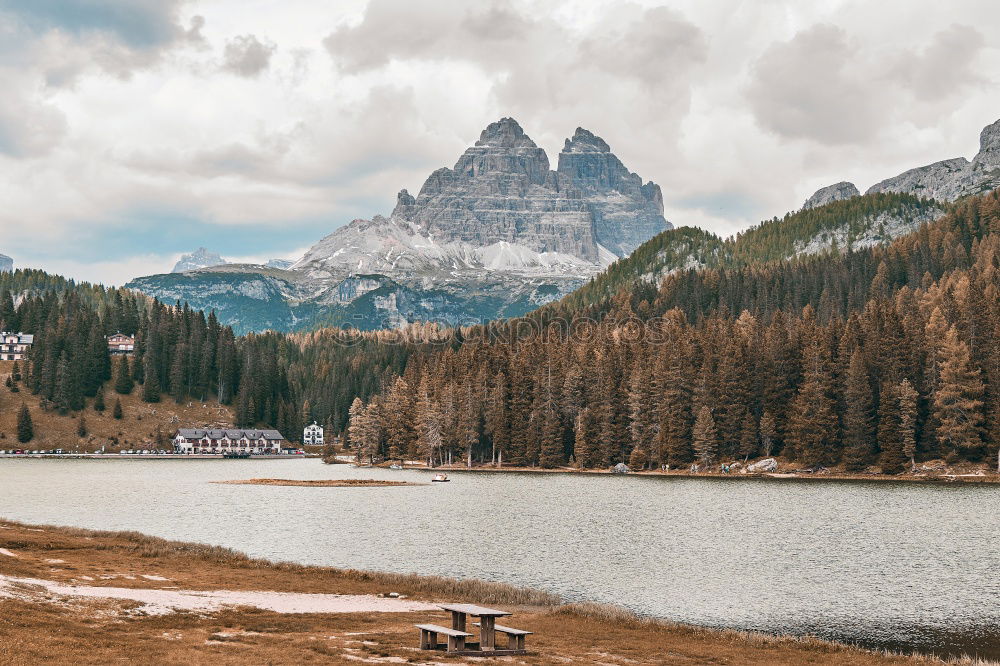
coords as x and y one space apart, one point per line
440 478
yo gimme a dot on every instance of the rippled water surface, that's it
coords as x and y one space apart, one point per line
884 565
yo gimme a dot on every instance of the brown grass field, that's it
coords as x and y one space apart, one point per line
137 428
42 628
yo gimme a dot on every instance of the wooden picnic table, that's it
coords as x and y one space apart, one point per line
487 621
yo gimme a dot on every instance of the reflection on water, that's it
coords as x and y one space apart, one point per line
884 565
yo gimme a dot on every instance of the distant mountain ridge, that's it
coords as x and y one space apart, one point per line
200 258
839 225
947 180
497 235
6 263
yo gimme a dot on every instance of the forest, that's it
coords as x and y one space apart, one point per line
883 357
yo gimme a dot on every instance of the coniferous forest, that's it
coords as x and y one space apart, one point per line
884 357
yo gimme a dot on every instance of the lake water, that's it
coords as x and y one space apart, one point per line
899 566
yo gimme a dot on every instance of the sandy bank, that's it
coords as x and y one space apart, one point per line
322 483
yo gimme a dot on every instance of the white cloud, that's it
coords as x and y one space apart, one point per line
245 55
134 130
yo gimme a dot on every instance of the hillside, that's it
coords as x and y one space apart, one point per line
136 429
838 226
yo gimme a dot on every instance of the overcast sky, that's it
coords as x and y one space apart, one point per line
134 130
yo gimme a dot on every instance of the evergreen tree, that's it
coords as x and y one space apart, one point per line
584 447
907 397
99 400
117 411
859 426
81 426
151 387
123 377
958 406
768 430
812 426
25 428
706 440
892 458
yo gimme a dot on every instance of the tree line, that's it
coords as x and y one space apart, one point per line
882 357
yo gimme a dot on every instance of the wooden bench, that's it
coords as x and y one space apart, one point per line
515 637
428 637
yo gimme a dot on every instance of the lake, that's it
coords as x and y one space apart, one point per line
889 565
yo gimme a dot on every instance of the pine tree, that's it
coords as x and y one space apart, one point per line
706 440
123 377
859 427
25 427
81 426
768 431
958 406
151 387
907 397
892 458
812 427
117 411
583 439
551 454
99 405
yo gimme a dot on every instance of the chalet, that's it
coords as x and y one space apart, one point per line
119 343
313 434
193 440
13 346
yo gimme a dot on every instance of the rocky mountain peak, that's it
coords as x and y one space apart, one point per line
836 192
6 264
200 258
953 178
505 133
989 147
585 141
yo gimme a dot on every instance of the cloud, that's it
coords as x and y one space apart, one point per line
29 127
824 86
127 125
247 56
945 67
549 74
811 87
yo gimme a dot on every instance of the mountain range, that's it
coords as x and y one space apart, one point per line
497 235
500 234
6 263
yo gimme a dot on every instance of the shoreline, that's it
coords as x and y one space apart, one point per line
115 594
939 479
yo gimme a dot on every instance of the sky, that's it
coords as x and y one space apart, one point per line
132 131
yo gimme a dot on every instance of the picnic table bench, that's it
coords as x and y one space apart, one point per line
429 632
487 632
515 637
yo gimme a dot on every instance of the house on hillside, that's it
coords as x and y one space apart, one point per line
313 434
194 440
13 346
119 343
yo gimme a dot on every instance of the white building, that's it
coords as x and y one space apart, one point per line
193 440
312 434
14 345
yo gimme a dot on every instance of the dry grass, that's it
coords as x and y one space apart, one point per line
100 631
323 483
137 428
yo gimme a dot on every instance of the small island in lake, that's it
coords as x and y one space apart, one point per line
321 483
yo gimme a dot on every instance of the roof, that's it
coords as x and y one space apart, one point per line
198 433
26 338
